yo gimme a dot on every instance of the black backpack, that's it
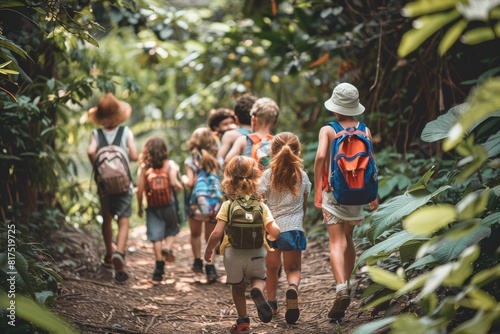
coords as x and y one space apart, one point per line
245 226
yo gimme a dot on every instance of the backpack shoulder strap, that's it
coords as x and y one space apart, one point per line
254 138
361 127
118 137
101 139
336 126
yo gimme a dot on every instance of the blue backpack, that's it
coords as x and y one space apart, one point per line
206 197
353 174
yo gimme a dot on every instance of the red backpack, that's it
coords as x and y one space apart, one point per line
158 189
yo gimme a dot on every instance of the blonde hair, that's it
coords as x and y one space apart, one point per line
203 145
154 152
241 176
286 165
266 111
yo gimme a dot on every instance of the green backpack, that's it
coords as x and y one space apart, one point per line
245 227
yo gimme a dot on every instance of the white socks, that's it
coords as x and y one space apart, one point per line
341 287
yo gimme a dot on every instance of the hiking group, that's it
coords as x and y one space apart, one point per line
247 192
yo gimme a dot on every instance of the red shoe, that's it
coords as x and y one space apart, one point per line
241 325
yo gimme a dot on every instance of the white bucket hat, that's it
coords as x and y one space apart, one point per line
345 100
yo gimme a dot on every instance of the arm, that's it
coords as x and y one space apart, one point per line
92 149
133 155
141 184
214 239
374 203
226 142
238 148
172 175
319 164
188 179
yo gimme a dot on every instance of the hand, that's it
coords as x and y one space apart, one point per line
208 255
318 199
185 179
374 204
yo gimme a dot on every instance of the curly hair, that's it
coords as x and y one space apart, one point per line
154 152
286 165
203 145
241 177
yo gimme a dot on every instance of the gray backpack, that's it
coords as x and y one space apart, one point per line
111 167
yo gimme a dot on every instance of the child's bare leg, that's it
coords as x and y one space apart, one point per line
157 247
292 263
107 233
121 238
338 246
273 263
169 242
240 302
350 252
195 228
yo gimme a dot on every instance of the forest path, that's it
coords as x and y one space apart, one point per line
184 302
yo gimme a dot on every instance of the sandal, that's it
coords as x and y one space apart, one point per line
292 312
263 308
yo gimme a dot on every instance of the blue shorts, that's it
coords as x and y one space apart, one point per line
161 222
290 240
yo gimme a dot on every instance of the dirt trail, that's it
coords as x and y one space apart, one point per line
184 302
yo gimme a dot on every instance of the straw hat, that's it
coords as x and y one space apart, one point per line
345 100
109 112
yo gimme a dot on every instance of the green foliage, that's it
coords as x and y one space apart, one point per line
435 15
449 273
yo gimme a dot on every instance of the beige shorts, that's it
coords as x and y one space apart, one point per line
244 264
334 213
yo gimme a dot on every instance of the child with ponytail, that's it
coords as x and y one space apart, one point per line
285 187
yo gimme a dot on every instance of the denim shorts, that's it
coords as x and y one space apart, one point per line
161 222
290 240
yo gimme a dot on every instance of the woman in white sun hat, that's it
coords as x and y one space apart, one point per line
339 219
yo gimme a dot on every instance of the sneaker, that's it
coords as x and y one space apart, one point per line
342 301
241 325
168 255
118 260
198 266
211 273
292 306
158 272
121 276
274 306
263 308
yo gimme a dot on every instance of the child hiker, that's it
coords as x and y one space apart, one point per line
203 147
157 180
285 188
242 109
243 220
339 219
110 113
264 114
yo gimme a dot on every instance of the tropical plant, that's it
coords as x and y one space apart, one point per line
447 273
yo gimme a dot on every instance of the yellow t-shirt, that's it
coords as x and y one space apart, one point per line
222 215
